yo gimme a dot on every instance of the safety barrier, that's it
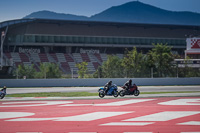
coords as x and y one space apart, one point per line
96 82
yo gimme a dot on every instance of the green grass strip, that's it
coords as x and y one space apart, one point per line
54 94
167 92
80 94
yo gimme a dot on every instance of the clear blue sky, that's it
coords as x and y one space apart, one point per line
16 9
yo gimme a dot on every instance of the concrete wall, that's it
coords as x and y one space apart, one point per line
96 82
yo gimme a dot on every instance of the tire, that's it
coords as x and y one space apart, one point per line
136 93
101 94
115 94
2 96
121 93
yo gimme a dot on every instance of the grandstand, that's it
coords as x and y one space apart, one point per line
66 43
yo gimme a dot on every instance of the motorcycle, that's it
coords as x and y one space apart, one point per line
111 92
2 93
132 91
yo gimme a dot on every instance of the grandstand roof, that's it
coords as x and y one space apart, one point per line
22 21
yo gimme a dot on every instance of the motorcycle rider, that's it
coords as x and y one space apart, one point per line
128 84
3 90
107 86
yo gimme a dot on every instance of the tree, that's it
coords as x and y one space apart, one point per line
187 71
134 63
82 69
98 73
44 68
112 68
25 70
54 71
48 70
160 57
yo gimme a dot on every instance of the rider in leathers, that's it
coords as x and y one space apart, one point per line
3 90
128 84
107 86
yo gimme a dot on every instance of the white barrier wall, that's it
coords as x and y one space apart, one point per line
96 82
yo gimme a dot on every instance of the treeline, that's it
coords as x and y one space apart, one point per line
158 62
47 70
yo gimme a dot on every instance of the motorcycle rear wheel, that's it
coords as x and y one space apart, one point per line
115 94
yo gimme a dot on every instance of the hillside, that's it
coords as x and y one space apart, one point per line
52 15
132 12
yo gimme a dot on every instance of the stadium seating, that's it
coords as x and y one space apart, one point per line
24 57
68 58
103 57
96 65
65 66
77 57
61 57
35 57
98 56
16 57
52 57
85 57
43 57
67 62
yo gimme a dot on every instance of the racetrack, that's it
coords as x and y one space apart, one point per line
163 113
141 115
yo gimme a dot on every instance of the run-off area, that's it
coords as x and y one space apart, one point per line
146 115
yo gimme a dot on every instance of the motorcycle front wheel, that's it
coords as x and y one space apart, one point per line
101 94
121 93
2 96
136 93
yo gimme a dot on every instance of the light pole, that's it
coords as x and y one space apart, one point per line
72 73
2 39
151 72
177 70
3 36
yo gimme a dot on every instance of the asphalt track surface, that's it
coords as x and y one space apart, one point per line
95 89
130 115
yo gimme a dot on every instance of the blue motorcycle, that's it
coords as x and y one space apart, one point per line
111 92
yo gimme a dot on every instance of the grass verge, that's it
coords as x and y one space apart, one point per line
54 94
79 94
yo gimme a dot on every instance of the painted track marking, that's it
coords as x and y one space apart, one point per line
190 123
83 117
127 124
164 116
193 101
91 116
7 115
124 102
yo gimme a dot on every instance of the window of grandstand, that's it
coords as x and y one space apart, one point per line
94 40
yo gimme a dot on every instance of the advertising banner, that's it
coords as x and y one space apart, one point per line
193 43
